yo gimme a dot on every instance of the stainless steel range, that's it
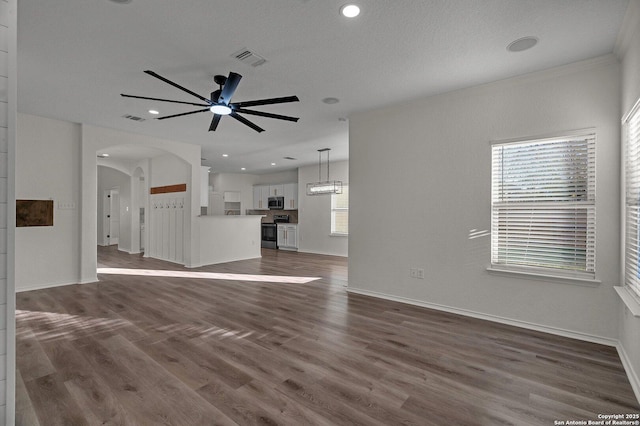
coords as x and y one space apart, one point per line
269 238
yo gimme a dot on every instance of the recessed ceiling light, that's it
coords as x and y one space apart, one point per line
273 164
350 11
103 155
154 112
225 155
331 101
521 44
243 168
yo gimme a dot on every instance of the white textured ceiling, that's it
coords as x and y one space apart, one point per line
75 57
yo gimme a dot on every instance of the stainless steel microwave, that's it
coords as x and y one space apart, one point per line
276 203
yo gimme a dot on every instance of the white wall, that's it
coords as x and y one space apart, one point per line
48 167
420 183
171 170
314 213
8 111
139 200
630 55
288 176
241 182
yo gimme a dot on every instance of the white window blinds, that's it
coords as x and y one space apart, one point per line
340 212
543 205
632 198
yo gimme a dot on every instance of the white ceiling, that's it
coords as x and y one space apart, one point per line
75 58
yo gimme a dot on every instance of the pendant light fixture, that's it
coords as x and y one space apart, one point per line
324 187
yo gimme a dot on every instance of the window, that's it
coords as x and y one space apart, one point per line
543 206
340 212
631 132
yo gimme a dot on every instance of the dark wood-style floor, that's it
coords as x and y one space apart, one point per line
161 350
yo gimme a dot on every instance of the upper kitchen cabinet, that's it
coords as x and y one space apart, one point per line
291 196
260 197
232 203
232 196
289 191
276 190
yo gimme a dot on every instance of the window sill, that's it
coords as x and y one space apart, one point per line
540 276
629 299
338 235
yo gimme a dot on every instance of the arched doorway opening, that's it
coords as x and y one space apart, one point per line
130 213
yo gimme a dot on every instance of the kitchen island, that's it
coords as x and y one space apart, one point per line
228 238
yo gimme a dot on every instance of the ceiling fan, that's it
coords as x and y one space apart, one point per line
220 102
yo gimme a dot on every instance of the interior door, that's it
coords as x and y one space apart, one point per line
113 217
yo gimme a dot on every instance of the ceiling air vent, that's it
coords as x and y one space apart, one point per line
133 117
248 57
289 158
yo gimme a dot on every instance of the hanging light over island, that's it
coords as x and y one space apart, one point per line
324 187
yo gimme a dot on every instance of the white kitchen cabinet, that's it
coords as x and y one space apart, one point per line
260 197
232 203
280 235
288 236
204 186
232 196
289 191
291 196
276 190
257 197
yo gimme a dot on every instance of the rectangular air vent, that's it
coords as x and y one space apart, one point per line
248 57
133 117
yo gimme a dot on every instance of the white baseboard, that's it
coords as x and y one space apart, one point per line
93 279
43 286
222 260
628 368
523 324
129 252
323 253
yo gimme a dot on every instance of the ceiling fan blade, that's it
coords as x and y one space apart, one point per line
162 100
229 88
266 101
214 122
267 114
184 113
184 89
246 122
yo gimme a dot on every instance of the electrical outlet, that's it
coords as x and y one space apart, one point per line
416 273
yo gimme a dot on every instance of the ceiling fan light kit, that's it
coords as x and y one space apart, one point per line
324 187
220 109
220 102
